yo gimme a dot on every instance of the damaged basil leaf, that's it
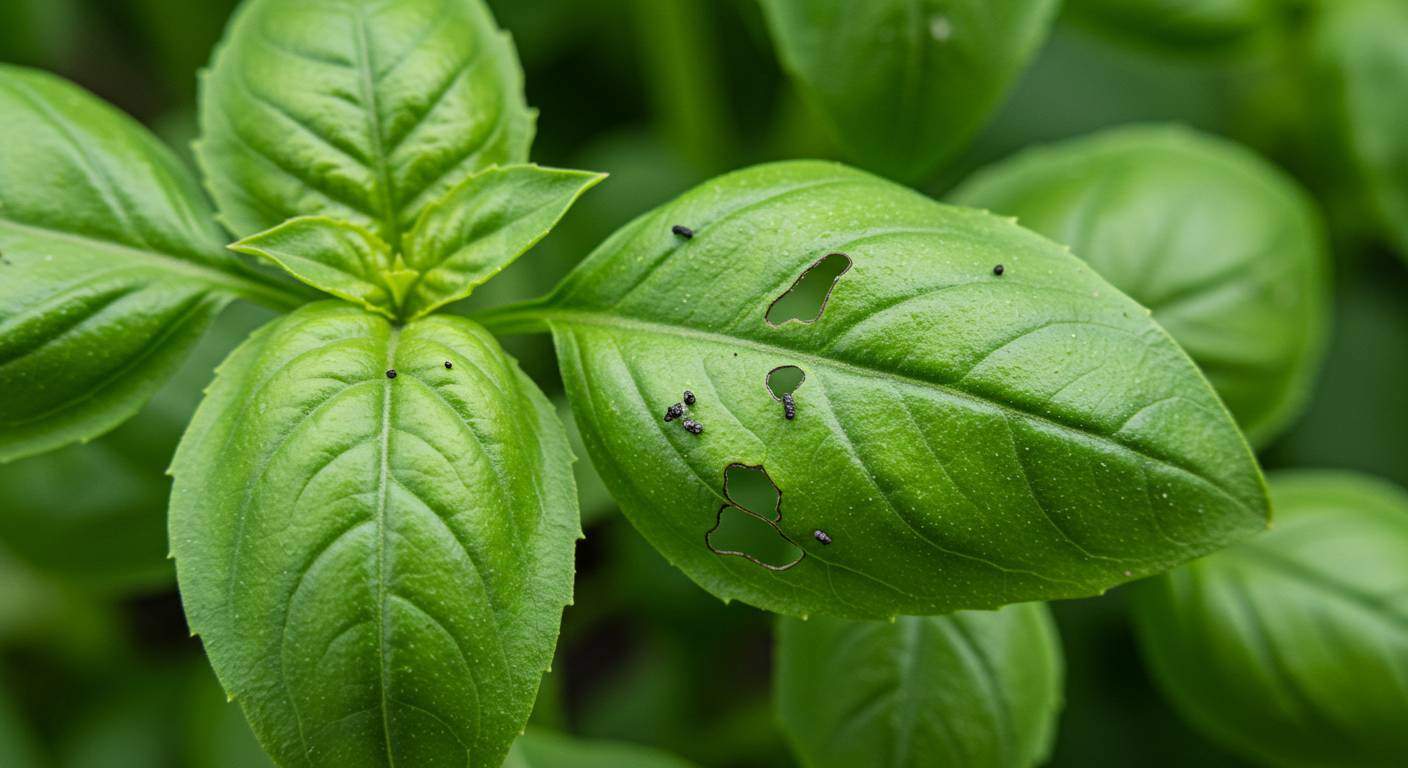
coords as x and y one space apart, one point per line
1292 648
375 547
366 112
961 438
976 688
1227 251
111 266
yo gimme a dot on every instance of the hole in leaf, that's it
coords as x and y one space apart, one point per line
740 533
807 297
784 380
750 488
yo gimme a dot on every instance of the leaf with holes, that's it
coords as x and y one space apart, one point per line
1292 648
904 84
374 546
979 689
362 111
1227 251
961 439
110 265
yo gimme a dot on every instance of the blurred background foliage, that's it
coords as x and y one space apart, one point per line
96 665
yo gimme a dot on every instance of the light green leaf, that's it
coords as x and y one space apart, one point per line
1358 51
543 749
360 110
1292 647
342 259
903 84
978 689
1226 250
966 439
1184 26
483 226
111 265
377 566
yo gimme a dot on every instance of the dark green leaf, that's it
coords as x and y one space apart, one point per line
1183 26
377 565
966 439
1292 647
363 111
1225 249
543 749
905 84
110 265
977 689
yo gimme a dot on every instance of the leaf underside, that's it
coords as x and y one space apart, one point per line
377 566
962 439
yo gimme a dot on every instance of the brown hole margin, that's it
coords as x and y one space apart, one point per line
824 299
777 506
767 382
718 521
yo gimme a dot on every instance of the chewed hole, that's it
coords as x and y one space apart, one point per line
739 533
750 488
807 297
784 380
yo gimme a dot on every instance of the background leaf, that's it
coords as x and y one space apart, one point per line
377 565
1183 27
906 84
1227 251
543 749
363 111
110 265
1061 441
1292 647
977 689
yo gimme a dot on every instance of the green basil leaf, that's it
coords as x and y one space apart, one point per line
966 439
1357 48
1226 250
363 111
483 226
333 256
111 265
377 565
1183 26
979 689
1292 647
543 749
904 85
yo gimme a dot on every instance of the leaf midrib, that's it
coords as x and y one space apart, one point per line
591 318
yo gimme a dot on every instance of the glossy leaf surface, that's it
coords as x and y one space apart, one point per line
377 565
111 265
979 689
363 111
903 84
965 439
338 258
1226 250
1292 647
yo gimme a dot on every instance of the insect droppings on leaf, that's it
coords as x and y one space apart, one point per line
449 365
822 536
682 231
998 270
688 397
789 406
390 373
691 426
674 412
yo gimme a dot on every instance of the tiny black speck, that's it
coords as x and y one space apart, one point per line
692 426
682 231
998 270
688 397
789 406
822 536
449 365
390 373
674 412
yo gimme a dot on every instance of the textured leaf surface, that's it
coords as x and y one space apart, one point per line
978 689
1227 251
966 439
1292 647
342 259
111 265
541 749
1358 50
361 110
377 565
905 83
